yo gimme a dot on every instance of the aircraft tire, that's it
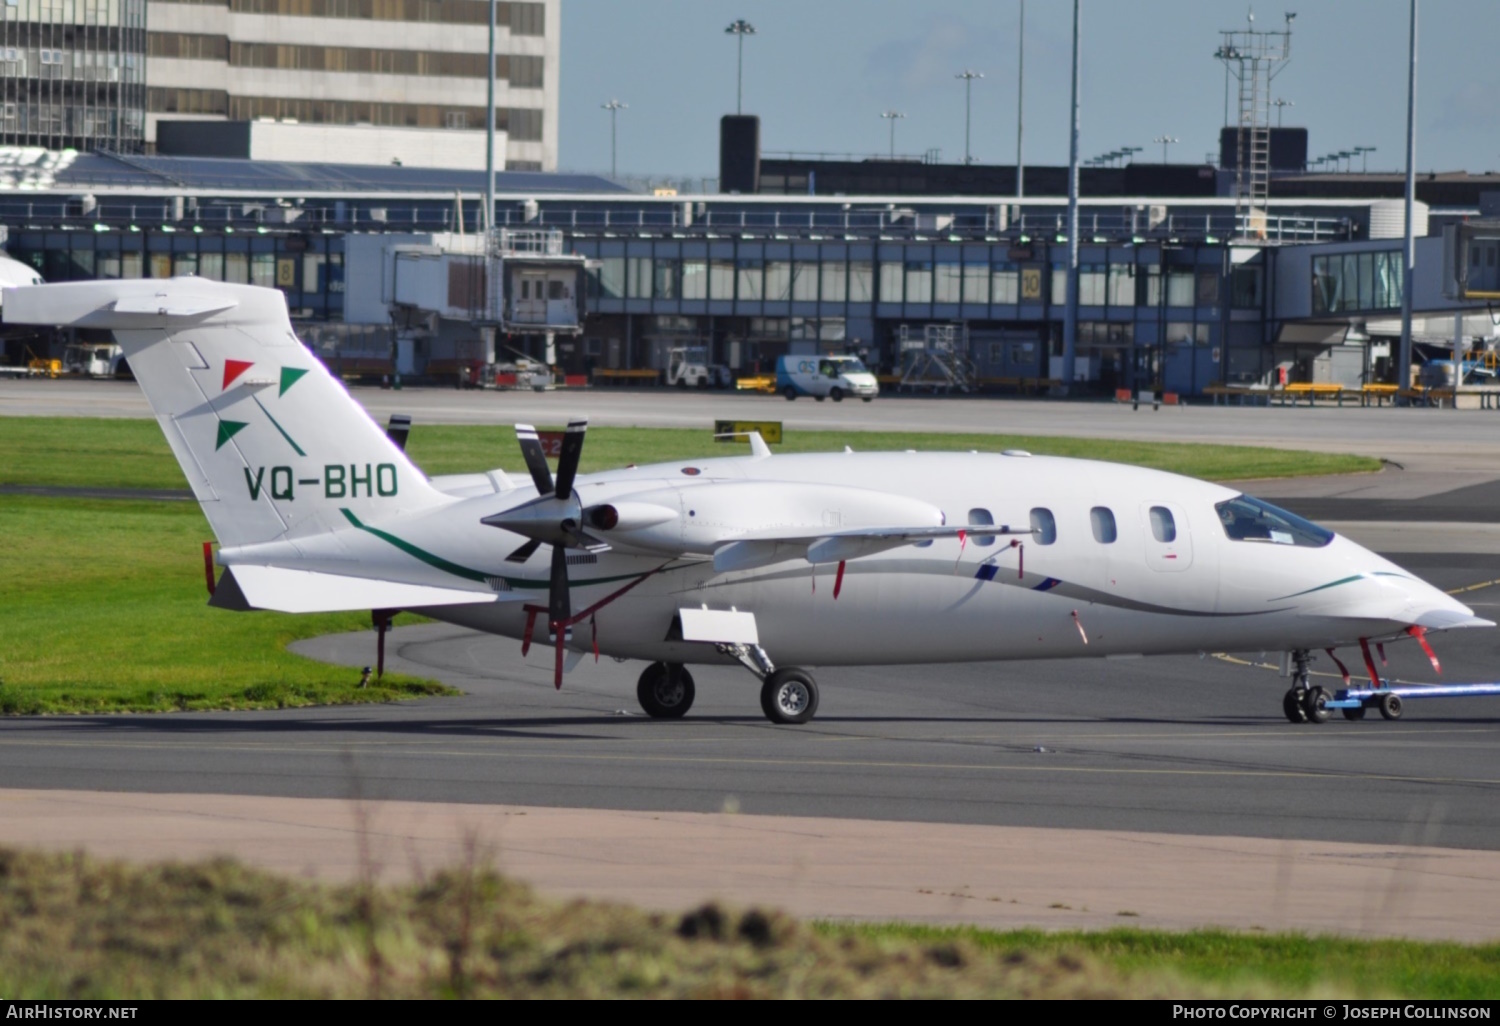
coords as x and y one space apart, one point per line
1390 706
1291 705
790 392
1354 714
789 696
665 695
1315 705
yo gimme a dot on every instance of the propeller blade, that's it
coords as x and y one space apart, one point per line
536 459
559 605
567 463
397 428
522 554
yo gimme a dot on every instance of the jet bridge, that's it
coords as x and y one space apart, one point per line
452 296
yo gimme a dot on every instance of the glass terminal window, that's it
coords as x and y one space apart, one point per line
1248 519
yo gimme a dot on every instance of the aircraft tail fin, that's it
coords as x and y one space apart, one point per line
271 442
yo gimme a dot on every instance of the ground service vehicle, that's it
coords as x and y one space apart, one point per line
821 377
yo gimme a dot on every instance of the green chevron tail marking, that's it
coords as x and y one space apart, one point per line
227 430
289 377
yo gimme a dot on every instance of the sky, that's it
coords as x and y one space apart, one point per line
820 72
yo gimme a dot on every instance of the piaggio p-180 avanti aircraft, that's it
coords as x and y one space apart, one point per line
824 559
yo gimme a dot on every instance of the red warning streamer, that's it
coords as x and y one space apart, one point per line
1364 648
208 567
1420 633
838 581
1340 664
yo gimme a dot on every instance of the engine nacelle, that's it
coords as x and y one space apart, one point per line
699 518
628 516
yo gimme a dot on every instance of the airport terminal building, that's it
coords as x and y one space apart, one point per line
1168 297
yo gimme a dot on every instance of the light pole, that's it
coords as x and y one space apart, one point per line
1129 152
968 77
1346 156
1165 140
892 116
1070 312
1020 92
1364 157
614 107
489 130
1280 104
740 29
1403 361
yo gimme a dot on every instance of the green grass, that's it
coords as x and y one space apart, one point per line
79 928
1239 962
103 610
81 452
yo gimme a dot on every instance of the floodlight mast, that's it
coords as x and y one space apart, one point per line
892 116
740 28
1020 108
489 130
1070 312
1403 368
968 77
614 107
1255 57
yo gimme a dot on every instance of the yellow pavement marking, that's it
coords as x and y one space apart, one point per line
1474 587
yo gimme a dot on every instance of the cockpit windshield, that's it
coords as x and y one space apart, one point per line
1253 520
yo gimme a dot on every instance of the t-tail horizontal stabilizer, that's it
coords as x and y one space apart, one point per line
306 591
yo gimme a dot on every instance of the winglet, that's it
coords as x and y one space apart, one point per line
758 448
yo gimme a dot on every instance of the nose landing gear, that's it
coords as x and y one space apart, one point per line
1300 704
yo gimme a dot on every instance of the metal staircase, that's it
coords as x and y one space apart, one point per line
937 360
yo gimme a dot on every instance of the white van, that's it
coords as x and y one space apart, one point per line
820 376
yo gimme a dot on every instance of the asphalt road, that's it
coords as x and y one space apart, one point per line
1447 441
1178 745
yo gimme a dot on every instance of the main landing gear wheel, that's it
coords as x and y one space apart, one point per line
1315 705
665 692
1354 714
1291 705
789 696
1390 706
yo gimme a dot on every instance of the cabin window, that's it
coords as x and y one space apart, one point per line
1043 526
1247 519
1163 527
1103 520
982 516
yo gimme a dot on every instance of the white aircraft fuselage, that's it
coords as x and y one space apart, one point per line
949 601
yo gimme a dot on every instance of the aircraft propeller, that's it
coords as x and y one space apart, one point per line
554 517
